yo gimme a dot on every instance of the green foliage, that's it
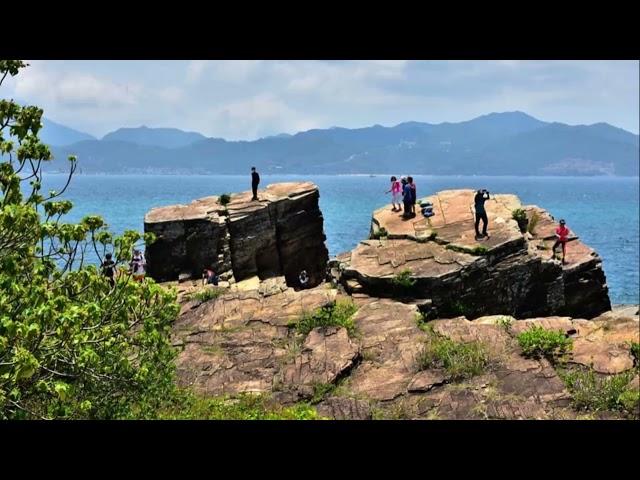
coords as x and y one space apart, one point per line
338 314
403 280
321 390
635 352
187 406
505 322
533 223
460 360
519 215
224 199
538 342
593 392
71 345
478 250
206 294
380 233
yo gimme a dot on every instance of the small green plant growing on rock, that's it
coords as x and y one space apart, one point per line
531 228
459 360
224 199
505 323
635 353
593 392
320 391
403 280
338 314
380 233
539 342
206 294
520 216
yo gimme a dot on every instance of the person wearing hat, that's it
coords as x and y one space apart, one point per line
562 237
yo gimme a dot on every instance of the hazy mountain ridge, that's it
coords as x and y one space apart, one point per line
511 143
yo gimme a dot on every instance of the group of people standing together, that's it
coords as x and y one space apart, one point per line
403 191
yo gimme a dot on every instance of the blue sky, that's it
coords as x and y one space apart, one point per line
245 100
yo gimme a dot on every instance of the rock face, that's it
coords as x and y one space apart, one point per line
281 234
246 342
451 273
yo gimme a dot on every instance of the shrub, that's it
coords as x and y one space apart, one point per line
243 407
72 346
206 294
224 199
336 314
520 216
538 342
403 280
460 360
533 223
593 392
505 323
635 352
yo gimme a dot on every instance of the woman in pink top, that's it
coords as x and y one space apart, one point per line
562 237
396 194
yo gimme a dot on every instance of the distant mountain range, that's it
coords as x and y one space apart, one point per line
510 143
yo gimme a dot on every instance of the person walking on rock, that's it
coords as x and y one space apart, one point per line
562 237
255 181
481 214
396 194
407 198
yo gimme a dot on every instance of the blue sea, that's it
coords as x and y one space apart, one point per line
603 211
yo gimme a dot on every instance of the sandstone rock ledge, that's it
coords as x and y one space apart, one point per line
247 342
281 234
453 273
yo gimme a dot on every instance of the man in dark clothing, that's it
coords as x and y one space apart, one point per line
481 214
255 181
109 269
407 199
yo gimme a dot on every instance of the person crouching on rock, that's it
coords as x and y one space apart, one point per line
562 237
209 276
303 278
481 214
396 194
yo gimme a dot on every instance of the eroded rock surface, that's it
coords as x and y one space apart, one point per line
509 273
281 234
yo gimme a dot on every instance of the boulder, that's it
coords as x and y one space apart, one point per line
508 273
281 234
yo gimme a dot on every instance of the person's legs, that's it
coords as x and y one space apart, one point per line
478 216
553 249
254 189
485 222
564 250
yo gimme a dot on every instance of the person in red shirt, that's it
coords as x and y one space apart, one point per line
562 237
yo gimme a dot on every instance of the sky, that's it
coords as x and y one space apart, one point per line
249 99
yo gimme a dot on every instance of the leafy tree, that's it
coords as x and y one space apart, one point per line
71 344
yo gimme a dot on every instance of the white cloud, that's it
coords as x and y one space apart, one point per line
74 89
245 99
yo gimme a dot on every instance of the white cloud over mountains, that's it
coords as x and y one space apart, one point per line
247 99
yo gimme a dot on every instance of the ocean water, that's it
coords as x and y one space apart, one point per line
602 211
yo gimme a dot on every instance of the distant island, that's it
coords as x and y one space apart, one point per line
509 143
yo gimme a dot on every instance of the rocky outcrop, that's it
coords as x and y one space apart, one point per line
247 342
281 234
449 272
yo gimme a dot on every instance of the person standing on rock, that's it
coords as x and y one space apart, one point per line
414 195
407 198
562 237
481 214
255 181
396 194
138 265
